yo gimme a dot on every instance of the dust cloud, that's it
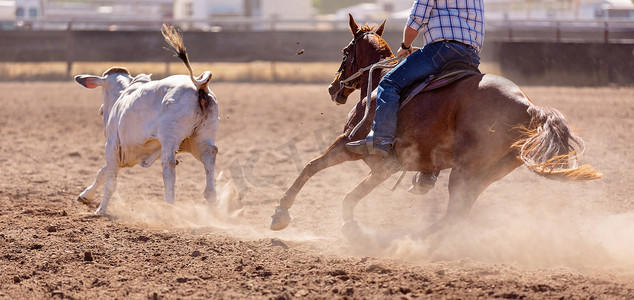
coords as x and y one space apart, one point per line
545 240
222 215
226 216
543 232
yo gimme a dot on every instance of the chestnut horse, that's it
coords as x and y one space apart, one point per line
482 127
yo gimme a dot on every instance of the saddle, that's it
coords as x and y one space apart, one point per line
423 182
450 73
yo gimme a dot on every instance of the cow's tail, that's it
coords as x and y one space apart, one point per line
175 39
546 147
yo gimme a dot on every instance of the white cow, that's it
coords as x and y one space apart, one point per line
144 120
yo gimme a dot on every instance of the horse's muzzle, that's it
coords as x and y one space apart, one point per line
337 94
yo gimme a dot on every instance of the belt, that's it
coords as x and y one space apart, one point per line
459 43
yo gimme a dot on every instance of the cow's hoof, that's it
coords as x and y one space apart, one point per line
100 211
281 218
83 200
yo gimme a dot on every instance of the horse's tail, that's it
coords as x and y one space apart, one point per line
175 39
545 147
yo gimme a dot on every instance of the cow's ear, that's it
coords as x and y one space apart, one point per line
90 81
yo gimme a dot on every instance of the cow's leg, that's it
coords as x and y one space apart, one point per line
168 162
208 152
334 155
204 150
89 193
109 188
465 185
110 173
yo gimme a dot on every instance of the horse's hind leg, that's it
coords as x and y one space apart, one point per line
334 155
465 185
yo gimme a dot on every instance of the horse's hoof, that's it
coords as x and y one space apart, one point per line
351 230
281 218
83 200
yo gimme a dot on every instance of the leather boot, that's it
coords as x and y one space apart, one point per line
371 145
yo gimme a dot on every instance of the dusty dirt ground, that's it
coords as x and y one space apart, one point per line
527 237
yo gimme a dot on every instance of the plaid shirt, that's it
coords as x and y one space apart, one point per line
458 20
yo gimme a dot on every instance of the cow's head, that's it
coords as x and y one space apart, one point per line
113 82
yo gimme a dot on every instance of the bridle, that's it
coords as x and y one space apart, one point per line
347 82
350 84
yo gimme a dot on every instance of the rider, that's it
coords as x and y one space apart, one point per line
453 31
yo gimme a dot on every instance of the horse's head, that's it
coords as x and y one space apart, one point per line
366 48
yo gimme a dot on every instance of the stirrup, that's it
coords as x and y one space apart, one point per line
367 146
358 147
383 148
421 186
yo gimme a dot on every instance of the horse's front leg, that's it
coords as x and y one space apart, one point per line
350 227
334 155
364 187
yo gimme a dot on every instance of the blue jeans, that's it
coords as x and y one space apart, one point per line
416 67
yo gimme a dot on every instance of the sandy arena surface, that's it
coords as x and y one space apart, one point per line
526 238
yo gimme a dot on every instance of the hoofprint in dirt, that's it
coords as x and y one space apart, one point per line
527 237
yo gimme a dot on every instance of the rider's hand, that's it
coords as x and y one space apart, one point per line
403 53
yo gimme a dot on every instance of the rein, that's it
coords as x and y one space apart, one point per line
358 74
383 64
387 63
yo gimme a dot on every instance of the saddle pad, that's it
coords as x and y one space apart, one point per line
436 82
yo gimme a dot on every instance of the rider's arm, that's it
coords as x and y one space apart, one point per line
419 16
409 35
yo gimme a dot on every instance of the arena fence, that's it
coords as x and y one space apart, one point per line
600 54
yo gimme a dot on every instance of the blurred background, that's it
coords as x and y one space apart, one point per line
551 42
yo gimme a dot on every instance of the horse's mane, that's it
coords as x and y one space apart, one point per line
368 28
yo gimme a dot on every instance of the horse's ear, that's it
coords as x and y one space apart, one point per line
381 28
353 25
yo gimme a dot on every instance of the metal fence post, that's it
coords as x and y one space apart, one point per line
70 50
